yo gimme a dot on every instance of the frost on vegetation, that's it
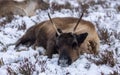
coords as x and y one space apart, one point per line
103 13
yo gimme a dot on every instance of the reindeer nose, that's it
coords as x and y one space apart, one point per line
64 62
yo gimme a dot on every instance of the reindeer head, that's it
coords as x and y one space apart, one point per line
67 45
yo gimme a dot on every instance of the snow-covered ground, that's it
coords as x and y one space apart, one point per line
105 14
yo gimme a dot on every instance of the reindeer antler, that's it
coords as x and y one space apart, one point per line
54 26
78 22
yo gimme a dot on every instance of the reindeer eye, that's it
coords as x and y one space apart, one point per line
74 44
57 47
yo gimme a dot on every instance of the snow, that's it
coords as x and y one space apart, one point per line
105 16
19 0
3 72
106 70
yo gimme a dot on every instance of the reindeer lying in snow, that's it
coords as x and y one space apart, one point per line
68 36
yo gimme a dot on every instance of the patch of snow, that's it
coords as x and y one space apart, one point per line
106 70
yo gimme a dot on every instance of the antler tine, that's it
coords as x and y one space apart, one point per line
78 23
54 26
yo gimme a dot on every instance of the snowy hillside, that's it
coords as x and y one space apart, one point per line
105 14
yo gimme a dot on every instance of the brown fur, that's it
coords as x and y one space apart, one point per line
26 7
44 35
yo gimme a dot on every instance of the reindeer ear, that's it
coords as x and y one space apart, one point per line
60 31
81 37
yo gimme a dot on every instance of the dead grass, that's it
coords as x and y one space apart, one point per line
106 57
22 27
104 35
8 19
57 7
118 8
1 62
11 71
43 65
26 67
42 5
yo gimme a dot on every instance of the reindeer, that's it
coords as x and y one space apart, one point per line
22 8
68 36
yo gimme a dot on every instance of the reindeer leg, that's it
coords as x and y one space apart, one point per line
20 41
35 44
23 41
50 48
41 39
